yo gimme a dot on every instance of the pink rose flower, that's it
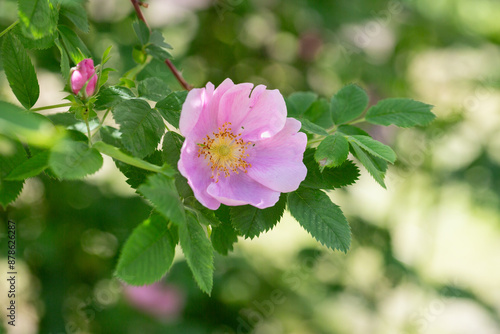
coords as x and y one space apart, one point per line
240 147
80 74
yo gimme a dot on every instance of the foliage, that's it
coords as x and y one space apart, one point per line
330 123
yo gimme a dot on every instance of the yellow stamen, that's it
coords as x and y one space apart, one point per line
225 151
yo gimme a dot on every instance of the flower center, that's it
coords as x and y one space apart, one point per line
225 152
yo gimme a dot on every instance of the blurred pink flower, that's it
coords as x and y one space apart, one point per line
80 74
157 299
240 147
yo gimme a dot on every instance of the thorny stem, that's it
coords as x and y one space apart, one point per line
137 6
178 75
9 28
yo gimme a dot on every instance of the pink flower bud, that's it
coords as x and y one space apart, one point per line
83 72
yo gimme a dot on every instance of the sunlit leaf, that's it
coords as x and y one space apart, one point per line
324 220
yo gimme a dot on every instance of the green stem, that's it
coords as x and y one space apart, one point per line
52 106
357 121
115 153
320 138
88 131
101 123
315 140
9 28
132 73
332 130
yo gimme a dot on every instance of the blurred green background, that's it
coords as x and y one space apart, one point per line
425 253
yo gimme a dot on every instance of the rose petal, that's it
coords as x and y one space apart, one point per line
266 116
234 104
195 103
76 81
207 122
239 189
84 71
277 161
198 173
200 110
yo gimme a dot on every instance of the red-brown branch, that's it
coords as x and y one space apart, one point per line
178 75
137 6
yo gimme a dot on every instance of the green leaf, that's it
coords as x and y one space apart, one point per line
203 215
319 113
105 55
74 160
126 82
348 103
139 55
329 178
77 14
76 49
160 190
103 76
376 167
155 68
157 39
63 118
64 60
15 116
312 128
20 71
198 252
117 154
135 175
298 102
400 112
142 31
374 147
171 152
32 128
153 89
223 237
38 44
111 96
251 221
9 191
12 154
158 52
141 126
38 18
324 220
351 130
111 135
332 151
171 106
172 143
29 168
148 253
